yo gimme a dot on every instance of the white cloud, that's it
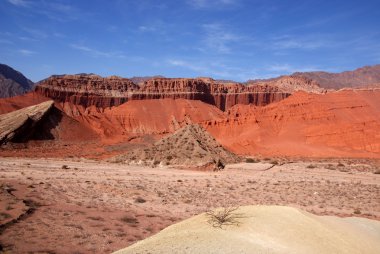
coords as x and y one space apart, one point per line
214 69
97 53
310 42
26 52
218 38
203 4
21 3
147 28
52 9
185 64
288 69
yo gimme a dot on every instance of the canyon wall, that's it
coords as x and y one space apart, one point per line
93 90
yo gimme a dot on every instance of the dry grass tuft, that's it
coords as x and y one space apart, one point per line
224 217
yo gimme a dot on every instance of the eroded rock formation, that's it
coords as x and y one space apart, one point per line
191 145
19 125
93 90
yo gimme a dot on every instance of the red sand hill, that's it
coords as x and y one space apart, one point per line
18 102
141 117
344 123
93 90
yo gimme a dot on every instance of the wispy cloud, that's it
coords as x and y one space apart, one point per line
220 70
156 26
35 34
147 28
21 3
97 53
280 69
26 52
188 65
205 4
214 69
218 38
51 9
296 42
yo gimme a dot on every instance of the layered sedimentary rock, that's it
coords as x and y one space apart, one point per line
19 125
344 123
93 90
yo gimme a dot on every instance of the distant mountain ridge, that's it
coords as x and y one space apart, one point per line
361 77
13 82
364 77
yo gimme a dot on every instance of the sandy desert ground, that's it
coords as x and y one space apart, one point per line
83 206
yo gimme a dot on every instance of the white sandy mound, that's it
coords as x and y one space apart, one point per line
266 229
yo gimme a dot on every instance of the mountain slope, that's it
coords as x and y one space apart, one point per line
361 77
12 82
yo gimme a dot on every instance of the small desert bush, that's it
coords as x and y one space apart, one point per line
357 211
311 166
4 216
65 167
140 200
274 162
223 217
251 160
130 220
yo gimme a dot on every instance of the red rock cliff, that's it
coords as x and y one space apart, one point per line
93 90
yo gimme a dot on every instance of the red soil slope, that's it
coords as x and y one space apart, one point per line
18 102
141 117
344 123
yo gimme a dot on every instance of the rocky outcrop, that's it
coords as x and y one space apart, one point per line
12 82
19 125
89 90
190 146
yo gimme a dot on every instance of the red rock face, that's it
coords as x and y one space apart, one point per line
92 90
344 123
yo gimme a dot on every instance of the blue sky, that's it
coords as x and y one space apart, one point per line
223 39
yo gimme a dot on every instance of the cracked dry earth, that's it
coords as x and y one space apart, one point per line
80 206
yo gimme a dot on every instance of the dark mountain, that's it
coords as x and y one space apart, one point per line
12 82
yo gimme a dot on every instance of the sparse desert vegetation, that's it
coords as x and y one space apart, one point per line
102 207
